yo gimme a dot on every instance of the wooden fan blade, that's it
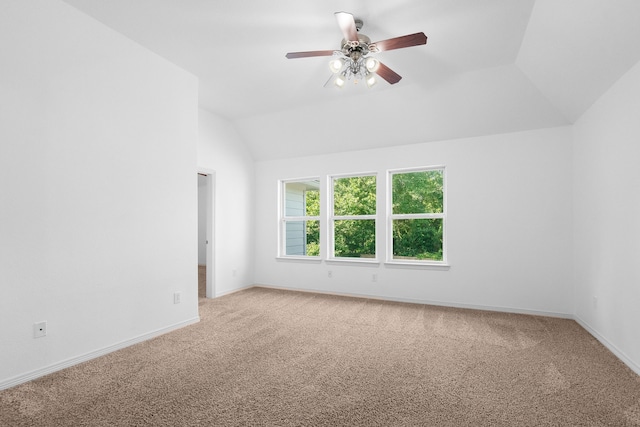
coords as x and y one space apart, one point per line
293 55
348 26
388 74
402 41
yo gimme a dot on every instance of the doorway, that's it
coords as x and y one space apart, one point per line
206 188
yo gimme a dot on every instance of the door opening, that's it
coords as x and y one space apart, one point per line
206 287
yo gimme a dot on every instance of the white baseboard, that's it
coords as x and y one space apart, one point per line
429 302
233 291
29 376
615 350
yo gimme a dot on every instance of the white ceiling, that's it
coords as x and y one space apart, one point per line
489 66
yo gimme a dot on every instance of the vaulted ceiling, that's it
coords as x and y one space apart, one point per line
489 66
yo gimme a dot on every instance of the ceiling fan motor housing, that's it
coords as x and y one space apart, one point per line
356 49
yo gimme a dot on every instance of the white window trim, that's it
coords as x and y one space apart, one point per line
283 219
332 218
391 216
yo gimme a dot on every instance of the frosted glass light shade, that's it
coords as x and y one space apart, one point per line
370 79
335 65
372 64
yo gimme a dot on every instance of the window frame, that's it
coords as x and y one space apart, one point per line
390 217
332 218
283 218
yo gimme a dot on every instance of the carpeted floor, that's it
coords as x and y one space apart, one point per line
202 281
281 358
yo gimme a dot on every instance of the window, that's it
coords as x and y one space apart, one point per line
417 216
300 220
353 217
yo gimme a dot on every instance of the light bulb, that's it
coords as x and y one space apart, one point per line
370 79
372 64
335 65
340 81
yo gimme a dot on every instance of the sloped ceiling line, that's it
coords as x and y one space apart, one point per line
489 67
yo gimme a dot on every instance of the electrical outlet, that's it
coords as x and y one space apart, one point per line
176 297
40 329
329 274
374 278
234 273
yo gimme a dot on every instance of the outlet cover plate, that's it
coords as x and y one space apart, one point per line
40 329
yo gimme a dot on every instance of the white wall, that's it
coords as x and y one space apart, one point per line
606 246
509 224
220 149
98 189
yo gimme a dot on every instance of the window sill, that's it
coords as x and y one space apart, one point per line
310 259
360 261
417 264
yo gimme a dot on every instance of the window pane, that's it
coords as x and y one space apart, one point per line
313 238
355 238
302 238
354 195
312 202
302 198
417 239
418 192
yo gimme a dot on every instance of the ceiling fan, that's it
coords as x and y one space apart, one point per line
354 59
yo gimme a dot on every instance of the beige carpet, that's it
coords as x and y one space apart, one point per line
269 357
202 281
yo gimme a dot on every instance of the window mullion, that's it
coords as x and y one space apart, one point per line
418 216
352 217
301 218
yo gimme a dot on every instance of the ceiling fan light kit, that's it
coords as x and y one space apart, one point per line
354 60
335 65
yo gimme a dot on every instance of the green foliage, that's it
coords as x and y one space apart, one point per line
313 248
355 196
355 238
312 202
417 239
312 206
418 192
